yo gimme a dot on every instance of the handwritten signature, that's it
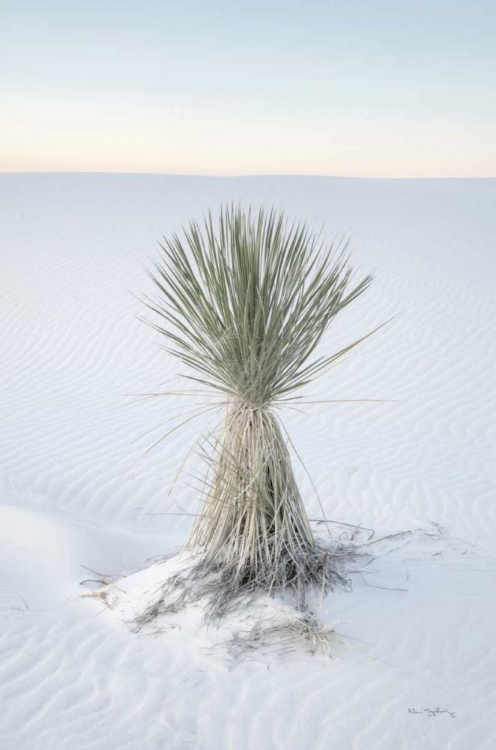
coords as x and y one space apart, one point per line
431 711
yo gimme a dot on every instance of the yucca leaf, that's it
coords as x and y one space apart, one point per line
247 299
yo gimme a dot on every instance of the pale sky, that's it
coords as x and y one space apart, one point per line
221 87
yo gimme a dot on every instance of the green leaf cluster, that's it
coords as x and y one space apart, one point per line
244 300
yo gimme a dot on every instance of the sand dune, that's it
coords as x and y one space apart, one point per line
78 490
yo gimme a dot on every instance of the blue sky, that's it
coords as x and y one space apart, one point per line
355 88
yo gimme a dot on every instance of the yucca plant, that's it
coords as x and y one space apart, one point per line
243 302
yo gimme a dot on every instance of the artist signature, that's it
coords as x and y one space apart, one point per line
431 711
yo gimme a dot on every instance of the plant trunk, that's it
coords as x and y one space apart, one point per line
254 526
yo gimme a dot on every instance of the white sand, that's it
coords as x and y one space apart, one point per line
77 489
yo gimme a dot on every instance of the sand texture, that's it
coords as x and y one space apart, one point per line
80 496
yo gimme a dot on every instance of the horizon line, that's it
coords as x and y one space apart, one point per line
248 176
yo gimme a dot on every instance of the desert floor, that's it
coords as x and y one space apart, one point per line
79 493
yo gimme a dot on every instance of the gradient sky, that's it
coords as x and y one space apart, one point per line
358 88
